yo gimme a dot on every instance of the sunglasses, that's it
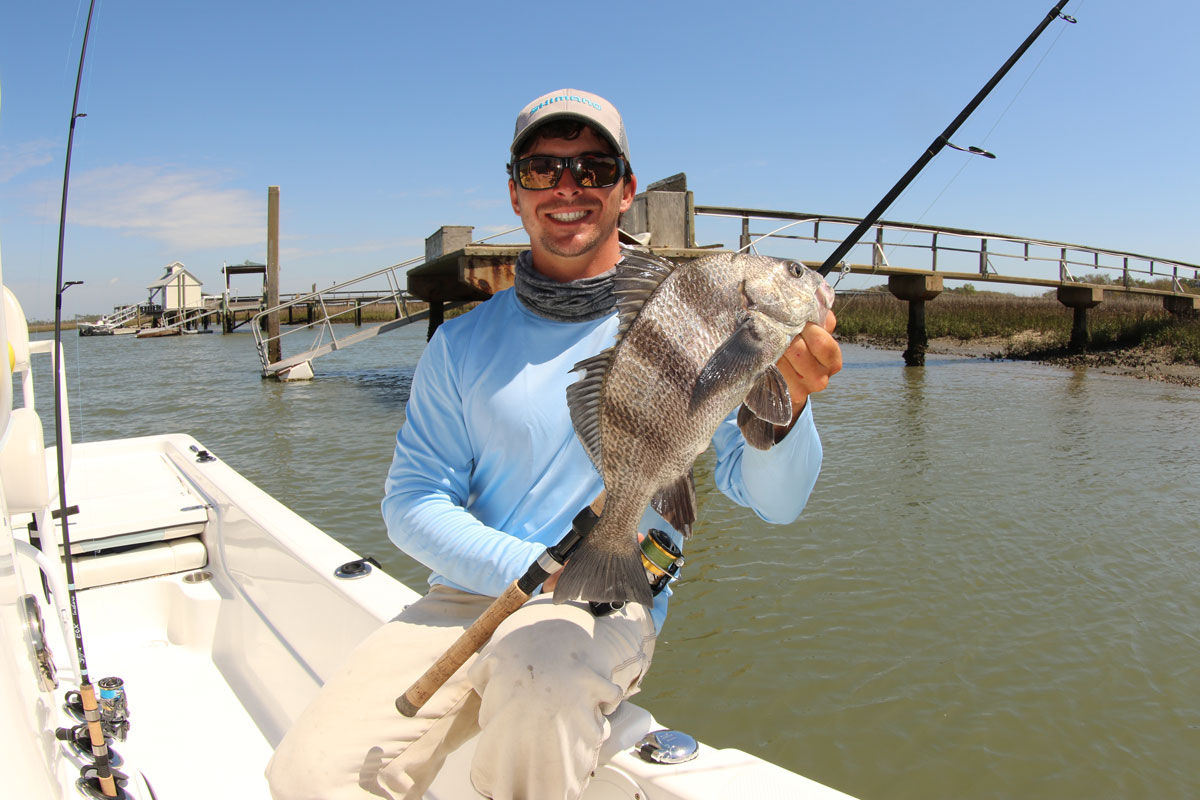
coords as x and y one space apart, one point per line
589 171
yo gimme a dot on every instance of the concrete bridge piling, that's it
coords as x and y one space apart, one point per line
916 289
1185 306
1079 299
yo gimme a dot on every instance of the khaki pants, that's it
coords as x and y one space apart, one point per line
537 695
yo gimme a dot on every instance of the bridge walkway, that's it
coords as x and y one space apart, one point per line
457 270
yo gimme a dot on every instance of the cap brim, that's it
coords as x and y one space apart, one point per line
531 132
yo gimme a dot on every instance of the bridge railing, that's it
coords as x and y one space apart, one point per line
958 251
334 303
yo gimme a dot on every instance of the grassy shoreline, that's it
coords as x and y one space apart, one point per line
1023 327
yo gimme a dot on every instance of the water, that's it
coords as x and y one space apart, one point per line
991 593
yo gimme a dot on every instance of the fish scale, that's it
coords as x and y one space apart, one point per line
693 342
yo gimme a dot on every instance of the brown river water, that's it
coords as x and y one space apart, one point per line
992 592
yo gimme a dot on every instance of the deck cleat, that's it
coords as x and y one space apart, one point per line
667 747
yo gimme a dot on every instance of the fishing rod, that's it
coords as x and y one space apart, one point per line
479 631
87 693
941 141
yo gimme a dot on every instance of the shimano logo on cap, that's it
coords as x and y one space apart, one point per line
565 97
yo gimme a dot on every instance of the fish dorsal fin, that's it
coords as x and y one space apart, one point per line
583 401
637 276
676 502
769 398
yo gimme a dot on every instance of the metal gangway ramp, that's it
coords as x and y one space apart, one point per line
119 317
340 303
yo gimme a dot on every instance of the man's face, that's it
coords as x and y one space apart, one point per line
569 225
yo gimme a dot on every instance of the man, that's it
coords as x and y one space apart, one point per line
487 472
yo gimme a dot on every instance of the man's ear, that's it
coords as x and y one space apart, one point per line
512 195
627 194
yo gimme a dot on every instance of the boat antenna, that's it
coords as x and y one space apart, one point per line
942 140
86 691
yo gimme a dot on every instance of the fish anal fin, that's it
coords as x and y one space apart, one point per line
676 502
769 398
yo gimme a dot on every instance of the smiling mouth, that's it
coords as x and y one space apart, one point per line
568 216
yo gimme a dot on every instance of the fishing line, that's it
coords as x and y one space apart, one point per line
77 428
941 141
986 136
495 236
749 245
68 57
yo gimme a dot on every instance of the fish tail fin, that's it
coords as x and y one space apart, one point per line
602 576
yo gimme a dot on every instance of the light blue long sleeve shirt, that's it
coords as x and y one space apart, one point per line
488 470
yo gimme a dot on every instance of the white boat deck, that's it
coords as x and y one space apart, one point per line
189 733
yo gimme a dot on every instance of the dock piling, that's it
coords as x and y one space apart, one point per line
445 239
274 346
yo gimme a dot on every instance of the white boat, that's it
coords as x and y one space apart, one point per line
221 611
116 323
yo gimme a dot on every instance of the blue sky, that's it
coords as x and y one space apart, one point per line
381 121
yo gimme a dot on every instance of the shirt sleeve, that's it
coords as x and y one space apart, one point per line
774 483
427 490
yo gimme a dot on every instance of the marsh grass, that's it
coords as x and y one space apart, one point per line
1119 322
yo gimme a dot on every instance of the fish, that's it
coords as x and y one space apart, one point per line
694 341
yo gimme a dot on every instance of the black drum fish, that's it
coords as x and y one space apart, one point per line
694 341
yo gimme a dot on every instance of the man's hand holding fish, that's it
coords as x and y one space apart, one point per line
812 358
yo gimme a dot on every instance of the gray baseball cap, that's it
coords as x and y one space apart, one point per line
573 104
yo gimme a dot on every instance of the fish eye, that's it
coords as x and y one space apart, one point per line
795 268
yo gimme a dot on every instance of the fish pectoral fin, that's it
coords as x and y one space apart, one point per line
759 433
733 359
676 502
769 398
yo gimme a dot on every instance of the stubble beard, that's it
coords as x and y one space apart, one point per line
574 248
